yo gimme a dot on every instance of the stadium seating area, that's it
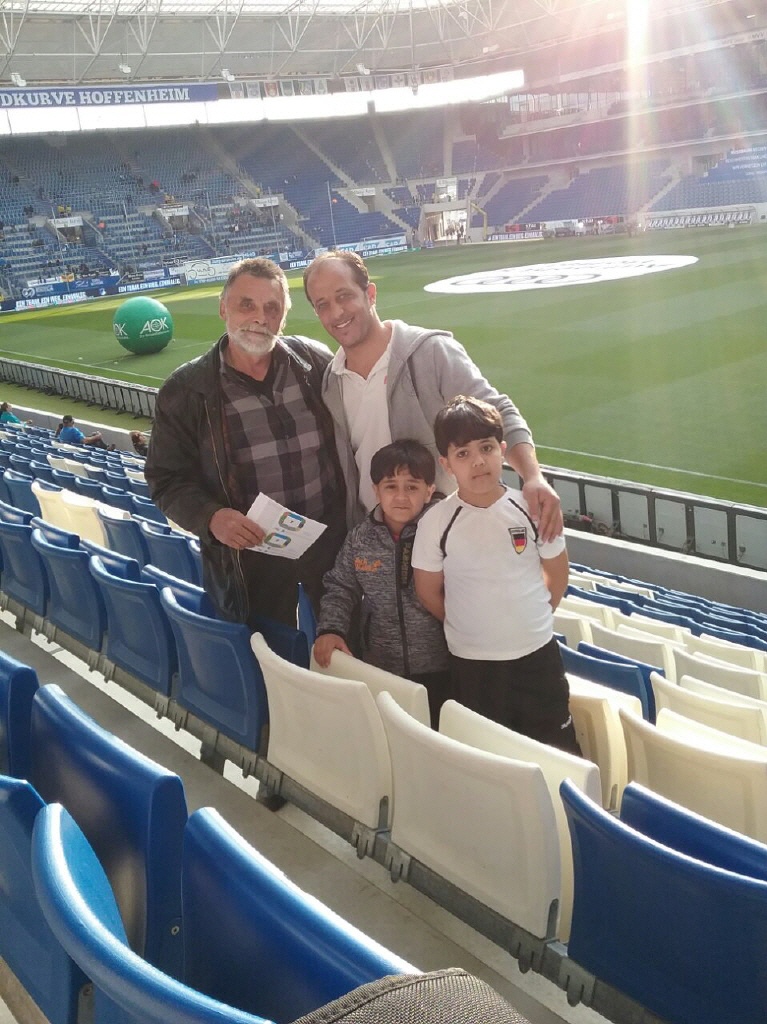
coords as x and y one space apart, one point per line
122 188
668 692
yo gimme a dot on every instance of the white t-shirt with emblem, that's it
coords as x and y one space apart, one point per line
496 601
367 415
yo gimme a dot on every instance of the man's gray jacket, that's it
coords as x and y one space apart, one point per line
426 370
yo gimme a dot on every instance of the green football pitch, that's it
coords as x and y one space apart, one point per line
659 378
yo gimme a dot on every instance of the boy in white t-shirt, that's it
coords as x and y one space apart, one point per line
481 568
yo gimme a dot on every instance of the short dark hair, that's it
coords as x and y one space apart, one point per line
403 455
349 257
4 407
466 419
67 419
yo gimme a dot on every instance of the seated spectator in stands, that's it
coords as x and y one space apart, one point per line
68 433
140 442
372 579
6 416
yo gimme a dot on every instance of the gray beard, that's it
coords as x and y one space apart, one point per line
254 345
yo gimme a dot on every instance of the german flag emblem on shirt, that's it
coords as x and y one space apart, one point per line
518 536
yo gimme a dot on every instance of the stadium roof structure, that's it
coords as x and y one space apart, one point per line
105 41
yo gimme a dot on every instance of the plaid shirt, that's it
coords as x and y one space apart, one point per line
279 441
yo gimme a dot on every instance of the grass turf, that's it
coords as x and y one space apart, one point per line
657 379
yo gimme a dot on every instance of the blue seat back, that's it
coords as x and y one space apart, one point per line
41 471
219 679
132 810
18 685
64 479
682 937
169 551
78 903
124 535
239 909
90 488
689 833
75 603
118 498
200 602
139 638
23 577
593 651
146 508
137 486
622 604
753 639
20 490
307 620
676 619
27 944
626 678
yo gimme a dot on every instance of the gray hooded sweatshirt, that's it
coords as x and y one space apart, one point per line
426 370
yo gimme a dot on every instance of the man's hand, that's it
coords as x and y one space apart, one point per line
545 507
325 645
232 528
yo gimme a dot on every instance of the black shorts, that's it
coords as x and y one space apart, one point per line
529 695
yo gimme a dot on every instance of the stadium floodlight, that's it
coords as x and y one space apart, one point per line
126 69
17 80
227 75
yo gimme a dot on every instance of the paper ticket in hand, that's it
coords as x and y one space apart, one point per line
288 534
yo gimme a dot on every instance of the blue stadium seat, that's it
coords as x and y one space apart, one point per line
75 604
20 490
146 508
132 810
239 909
201 603
90 488
219 678
682 937
41 471
23 575
125 536
626 678
687 832
137 486
139 639
64 478
170 551
18 685
27 944
621 659
118 498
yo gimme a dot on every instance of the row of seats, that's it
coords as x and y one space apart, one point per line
319 725
107 879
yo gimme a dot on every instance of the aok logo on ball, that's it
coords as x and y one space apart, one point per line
156 326
120 331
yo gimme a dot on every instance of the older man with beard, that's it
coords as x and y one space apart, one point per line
242 419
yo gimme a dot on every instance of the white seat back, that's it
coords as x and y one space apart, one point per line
650 650
84 518
718 776
411 697
75 467
721 673
466 726
747 723
573 626
588 609
482 821
52 507
594 708
644 624
719 692
712 647
326 734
